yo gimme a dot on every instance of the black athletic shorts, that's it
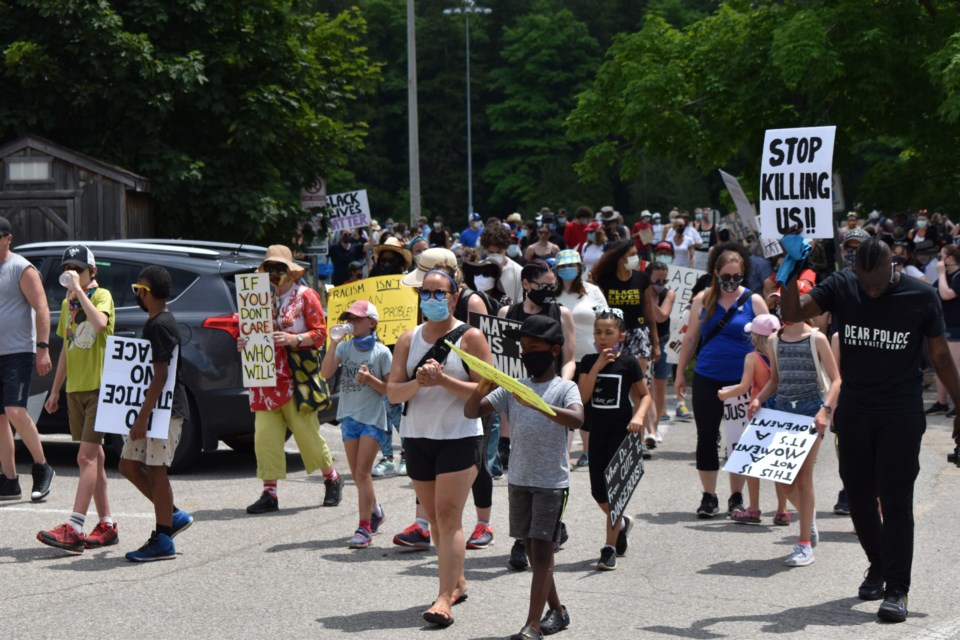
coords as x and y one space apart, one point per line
427 458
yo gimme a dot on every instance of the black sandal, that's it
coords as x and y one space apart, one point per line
438 618
527 633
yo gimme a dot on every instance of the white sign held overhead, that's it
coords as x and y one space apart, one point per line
348 210
795 182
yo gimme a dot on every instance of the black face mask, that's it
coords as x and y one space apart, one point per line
537 362
142 306
389 265
544 295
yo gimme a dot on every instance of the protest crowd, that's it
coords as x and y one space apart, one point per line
601 316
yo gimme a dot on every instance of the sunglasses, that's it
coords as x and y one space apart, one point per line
137 287
275 269
3 235
437 294
729 277
72 267
538 286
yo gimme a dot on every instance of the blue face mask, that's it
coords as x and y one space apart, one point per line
365 343
522 233
592 236
567 274
435 310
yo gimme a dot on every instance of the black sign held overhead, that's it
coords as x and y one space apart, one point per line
506 352
623 475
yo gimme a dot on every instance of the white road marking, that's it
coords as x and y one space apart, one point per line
67 512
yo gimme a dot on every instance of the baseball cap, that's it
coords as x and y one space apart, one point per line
361 309
5 226
644 214
79 256
568 257
474 217
663 246
593 226
429 260
855 234
538 326
763 325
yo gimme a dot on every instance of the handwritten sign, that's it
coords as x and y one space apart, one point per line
513 386
127 373
623 475
795 182
680 280
396 304
734 419
773 447
255 310
348 210
506 352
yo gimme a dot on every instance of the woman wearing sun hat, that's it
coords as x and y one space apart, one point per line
580 297
298 323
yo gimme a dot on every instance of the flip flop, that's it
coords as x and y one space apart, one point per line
461 598
438 618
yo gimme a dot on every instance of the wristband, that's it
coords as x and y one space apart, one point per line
828 408
43 345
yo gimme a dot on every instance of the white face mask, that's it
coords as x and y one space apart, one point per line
483 283
499 258
633 262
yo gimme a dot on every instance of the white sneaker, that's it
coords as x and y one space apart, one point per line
386 467
658 437
402 469
802 556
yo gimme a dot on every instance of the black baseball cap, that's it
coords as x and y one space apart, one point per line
78 256
538 326
5 226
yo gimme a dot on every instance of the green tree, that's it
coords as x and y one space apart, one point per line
227 107
547 59
883 73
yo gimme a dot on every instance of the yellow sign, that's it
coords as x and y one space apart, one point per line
396 304
513 386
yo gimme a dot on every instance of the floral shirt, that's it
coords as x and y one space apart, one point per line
297 311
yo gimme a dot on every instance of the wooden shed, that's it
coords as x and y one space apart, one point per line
49 192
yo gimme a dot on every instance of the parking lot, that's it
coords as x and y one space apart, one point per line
290 575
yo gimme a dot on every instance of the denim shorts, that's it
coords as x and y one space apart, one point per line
805 407
662 368
350 429
953 334
16 370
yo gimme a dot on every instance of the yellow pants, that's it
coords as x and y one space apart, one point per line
270 434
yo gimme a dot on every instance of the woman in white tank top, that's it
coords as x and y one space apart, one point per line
443 447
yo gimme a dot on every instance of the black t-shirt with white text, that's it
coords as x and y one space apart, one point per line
881 340
164 336
609 410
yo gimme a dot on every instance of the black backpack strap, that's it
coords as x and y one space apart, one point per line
439 352
726 318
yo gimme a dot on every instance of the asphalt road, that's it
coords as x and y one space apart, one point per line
290 575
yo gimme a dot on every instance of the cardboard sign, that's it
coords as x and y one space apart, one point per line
127 373
348 210
396 304
513 386
773 447
680 280
795 182
748 215
623 474
734 419
255 311
506 352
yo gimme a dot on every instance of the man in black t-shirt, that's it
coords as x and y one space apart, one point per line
349 248
883 320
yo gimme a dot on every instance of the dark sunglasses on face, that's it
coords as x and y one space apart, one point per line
436 294
3 235
729 277
277 270
542 285
72 267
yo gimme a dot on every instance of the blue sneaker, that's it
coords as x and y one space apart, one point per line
158 547
377 520
181 520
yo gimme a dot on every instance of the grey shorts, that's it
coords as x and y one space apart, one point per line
536 512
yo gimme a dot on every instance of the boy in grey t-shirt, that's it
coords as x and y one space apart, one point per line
539 473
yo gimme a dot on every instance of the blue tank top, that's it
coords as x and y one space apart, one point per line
722 357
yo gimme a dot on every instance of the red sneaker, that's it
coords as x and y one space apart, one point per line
481 538
413 537
63 537
103 535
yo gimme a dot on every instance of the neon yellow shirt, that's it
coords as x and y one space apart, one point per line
83 347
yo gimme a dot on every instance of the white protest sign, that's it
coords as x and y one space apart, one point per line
744 208
348 210
127 373
680 280
255 311
773 447
734 417
795 174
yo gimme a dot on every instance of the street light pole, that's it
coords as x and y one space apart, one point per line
468 7
413 129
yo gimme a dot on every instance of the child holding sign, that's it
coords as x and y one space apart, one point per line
614 393
800 357
366 366
539 468
144 460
